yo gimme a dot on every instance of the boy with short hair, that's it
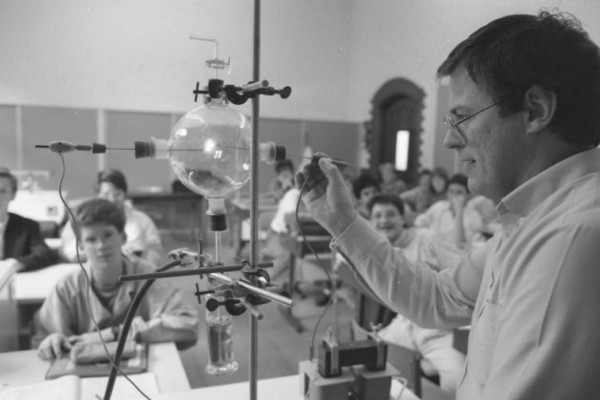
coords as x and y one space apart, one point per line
454 219
65 315
434 345
364 188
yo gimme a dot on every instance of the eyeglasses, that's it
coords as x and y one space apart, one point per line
453 125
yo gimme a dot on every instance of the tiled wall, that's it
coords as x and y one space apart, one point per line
23 127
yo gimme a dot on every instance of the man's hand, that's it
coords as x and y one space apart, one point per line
54 346
325 195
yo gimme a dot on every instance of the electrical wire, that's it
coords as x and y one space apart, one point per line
87 278
133 306
404 382
323 267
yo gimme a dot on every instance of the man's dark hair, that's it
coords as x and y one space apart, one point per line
114 176
5 173
511 54
283 165
386 199
364 180
99 211
459 179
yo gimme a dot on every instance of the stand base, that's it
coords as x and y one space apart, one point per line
226 369
362 384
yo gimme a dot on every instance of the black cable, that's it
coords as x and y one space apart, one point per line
322 265
87 278
127 324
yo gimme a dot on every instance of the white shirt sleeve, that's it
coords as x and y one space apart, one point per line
432 299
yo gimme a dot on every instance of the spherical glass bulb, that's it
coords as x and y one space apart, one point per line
210 149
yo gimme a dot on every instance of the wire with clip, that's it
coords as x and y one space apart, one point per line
87 278
320 262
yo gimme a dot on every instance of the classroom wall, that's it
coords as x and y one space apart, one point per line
41 125
410 39
83 57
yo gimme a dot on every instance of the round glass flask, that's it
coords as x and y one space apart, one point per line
209 149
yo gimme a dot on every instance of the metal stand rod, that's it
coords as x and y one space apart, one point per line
254 199
178 272
287 312
261 292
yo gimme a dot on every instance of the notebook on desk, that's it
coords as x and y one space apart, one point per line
133 361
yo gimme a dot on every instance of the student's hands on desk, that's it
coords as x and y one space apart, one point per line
57 345
54 346
326 195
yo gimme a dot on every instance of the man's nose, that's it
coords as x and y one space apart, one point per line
453 139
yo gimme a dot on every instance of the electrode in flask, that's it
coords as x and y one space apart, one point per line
209 149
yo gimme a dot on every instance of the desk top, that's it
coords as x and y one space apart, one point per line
33 287
7 271
163 195
243 204
283 388
20 368
39 205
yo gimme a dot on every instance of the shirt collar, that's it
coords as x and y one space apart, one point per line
523 200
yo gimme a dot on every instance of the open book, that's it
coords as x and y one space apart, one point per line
92 361
71 387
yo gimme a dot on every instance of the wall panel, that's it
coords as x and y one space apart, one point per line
8 137
122 130
42 125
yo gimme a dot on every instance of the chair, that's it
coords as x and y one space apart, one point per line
370 312
306 236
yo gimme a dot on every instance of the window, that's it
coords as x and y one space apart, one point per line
402 138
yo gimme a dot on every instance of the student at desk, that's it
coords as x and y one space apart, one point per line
284 180
20 238
434 345
143 239
65 319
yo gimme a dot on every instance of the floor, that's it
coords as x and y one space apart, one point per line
280 346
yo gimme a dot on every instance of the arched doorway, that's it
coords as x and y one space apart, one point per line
396 127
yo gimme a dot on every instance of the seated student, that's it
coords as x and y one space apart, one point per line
64 319
143 239
489 216
20 238
279 229
434 345
419 197
453 218
431 188
391 183
284 179
364 188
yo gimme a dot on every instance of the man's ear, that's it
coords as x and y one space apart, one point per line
540 104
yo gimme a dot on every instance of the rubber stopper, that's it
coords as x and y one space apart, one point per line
144 149
218 222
